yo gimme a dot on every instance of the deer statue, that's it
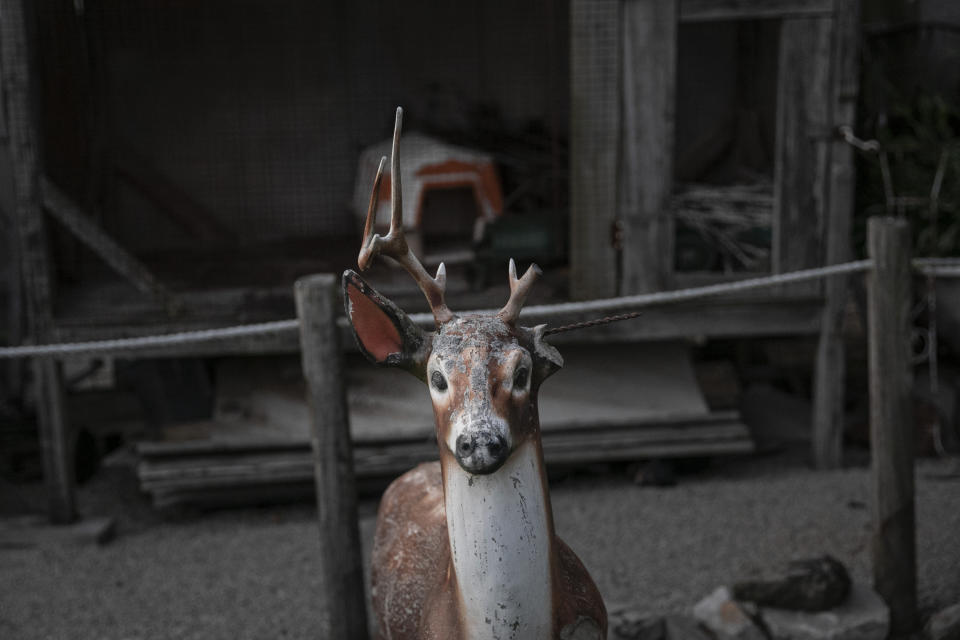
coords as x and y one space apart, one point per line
465 548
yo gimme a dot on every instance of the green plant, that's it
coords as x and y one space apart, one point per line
916 173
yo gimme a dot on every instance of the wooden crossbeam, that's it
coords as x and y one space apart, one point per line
69 214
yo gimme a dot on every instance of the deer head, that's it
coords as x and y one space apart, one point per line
483 371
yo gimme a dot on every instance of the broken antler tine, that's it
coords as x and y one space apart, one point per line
519 290
396 199
366 248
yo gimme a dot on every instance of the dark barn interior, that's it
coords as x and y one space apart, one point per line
219 141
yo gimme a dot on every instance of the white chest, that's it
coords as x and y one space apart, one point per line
500 543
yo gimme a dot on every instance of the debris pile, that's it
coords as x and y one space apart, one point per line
814 599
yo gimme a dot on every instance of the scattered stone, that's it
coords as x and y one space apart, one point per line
815 584
944 625
656 473
629 624
863 616
583 628
726 618
679 627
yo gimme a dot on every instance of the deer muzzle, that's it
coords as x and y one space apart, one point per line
481 450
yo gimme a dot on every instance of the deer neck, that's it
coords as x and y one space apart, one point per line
500 528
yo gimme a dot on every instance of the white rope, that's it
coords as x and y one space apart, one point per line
934 266
680 295
149 342
938 267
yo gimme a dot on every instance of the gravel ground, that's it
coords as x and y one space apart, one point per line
249 573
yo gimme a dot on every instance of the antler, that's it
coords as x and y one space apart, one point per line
394 244
519 289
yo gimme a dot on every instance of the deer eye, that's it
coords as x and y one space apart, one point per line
520 378
438 381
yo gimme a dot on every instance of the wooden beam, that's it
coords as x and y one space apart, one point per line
830 374
711 10
889 302
343 603
64 210
802 146
35 258
646 166
170 198
595 30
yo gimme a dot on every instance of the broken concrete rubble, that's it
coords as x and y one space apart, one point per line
944 625
815 584
863 616
626 624
726 618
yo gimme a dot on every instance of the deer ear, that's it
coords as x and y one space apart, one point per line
384 333
546 359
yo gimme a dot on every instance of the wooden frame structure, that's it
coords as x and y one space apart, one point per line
622 80
623 87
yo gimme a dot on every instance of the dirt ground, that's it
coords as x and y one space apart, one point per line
250 573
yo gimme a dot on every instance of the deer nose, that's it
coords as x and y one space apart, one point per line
481 452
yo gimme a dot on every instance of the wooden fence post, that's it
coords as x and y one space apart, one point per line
891 420
343 603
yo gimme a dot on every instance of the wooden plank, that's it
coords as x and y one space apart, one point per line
34 256
889 302
169 466
803 140
830 374
710 10
647 121
343 603
648 429
96 239
371 463
28 532
595 30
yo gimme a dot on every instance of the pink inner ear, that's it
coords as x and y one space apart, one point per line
373 326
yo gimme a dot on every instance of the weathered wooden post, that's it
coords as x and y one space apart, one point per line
891 420
343 602
23 147
830 377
